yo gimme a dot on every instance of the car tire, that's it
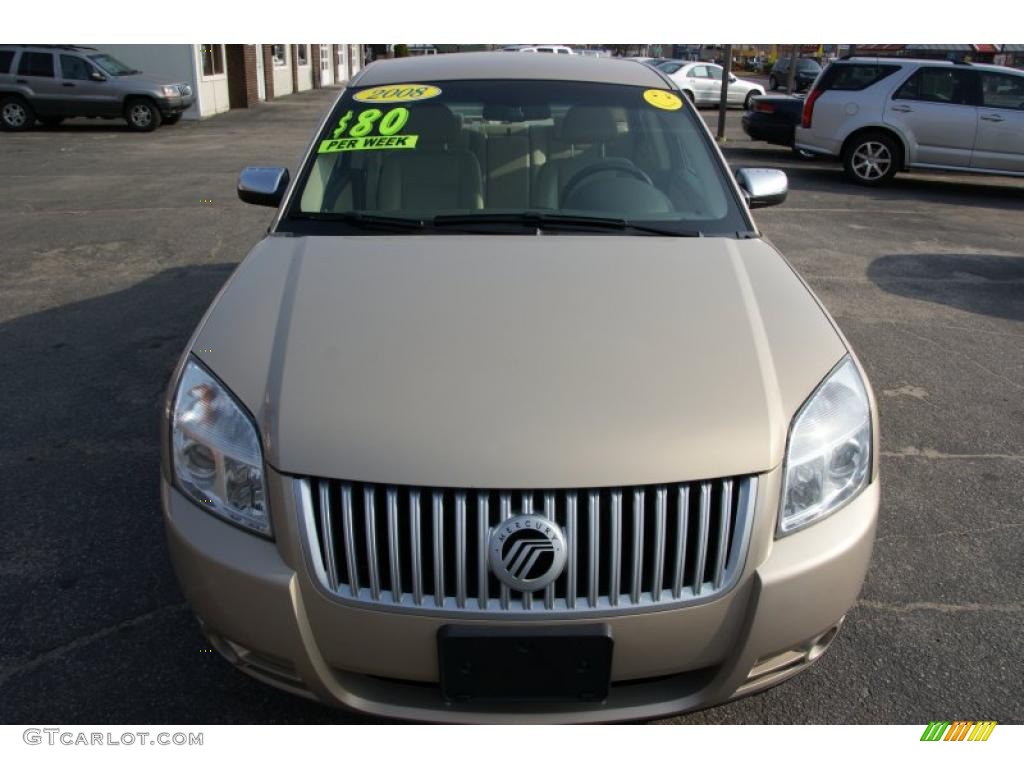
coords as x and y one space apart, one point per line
872 158
142 115
773 84
746 101
51 121
172 119
16 114
689 97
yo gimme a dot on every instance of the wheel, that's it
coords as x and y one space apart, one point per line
51 121
746 101
142 115
773 84
172 119
689 96
16 114
872 159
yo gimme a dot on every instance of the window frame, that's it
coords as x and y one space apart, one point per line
972 85
1018 79
89 67
4 51
301 54
24 57
216 52
280 62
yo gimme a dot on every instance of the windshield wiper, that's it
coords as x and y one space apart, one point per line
368 220
543 220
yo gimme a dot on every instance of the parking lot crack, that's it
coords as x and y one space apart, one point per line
55 654
911 452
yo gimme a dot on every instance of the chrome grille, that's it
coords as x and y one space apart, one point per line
425 549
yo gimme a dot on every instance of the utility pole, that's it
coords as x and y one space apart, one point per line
791 75
726 75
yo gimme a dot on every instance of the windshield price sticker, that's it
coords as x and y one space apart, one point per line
361 127
386 94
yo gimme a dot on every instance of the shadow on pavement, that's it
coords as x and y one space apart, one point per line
983 284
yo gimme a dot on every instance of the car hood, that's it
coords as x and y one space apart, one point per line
518 361
145 80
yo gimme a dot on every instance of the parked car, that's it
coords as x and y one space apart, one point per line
537 49
50 83
422 462
807 70
881 116
774 119
701 83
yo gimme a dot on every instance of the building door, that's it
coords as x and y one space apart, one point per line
326 70
261 75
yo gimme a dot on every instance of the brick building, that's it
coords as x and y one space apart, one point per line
236 76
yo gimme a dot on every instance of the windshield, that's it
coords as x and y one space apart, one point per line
112 66
515 155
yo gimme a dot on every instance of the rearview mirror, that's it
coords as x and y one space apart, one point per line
763 186
262 186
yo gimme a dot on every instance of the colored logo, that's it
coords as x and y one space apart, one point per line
528 552
386 94
662 99
960 730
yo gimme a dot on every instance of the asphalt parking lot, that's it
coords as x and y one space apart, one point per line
114 243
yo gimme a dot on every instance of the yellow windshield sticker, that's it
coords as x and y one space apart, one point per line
367 142
361 126
387 94
662 99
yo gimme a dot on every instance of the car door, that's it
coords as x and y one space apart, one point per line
37 73
715 85
933 109
82 95
696 81
999 145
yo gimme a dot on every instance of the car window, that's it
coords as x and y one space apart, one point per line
715 72
544 50
5 60
944 85
855 77
782 64
1002 91
74 68
35 64
511 147
670 67
111 65
700 71
808 65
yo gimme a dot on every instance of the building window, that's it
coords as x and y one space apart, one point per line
302 54
325 58
213 59
280 53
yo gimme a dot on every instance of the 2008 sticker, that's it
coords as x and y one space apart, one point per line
387 94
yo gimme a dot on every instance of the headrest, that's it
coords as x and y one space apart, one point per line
583 124
433 123
516 113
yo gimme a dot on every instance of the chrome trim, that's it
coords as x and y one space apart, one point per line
324 488
410 598
370 512
394 551
638 546
615 563
460 550
350 539
723 535
570 537
483 509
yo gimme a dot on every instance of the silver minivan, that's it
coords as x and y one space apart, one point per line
882 116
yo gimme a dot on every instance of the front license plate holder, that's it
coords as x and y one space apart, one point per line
525 664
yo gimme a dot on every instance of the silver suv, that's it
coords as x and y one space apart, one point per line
881 116
52 82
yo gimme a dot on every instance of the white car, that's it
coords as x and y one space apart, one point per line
701 82
537 49
882 116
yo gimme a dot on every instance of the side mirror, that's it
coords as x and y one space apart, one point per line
262 186
763 186
97 76
732 78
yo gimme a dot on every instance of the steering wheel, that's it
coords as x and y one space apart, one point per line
609 165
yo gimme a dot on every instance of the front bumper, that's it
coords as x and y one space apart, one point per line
261 609
175 105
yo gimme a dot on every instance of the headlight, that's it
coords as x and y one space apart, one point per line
170 91
828 458
216 452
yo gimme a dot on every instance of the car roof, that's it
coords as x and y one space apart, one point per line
902 60
501 66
